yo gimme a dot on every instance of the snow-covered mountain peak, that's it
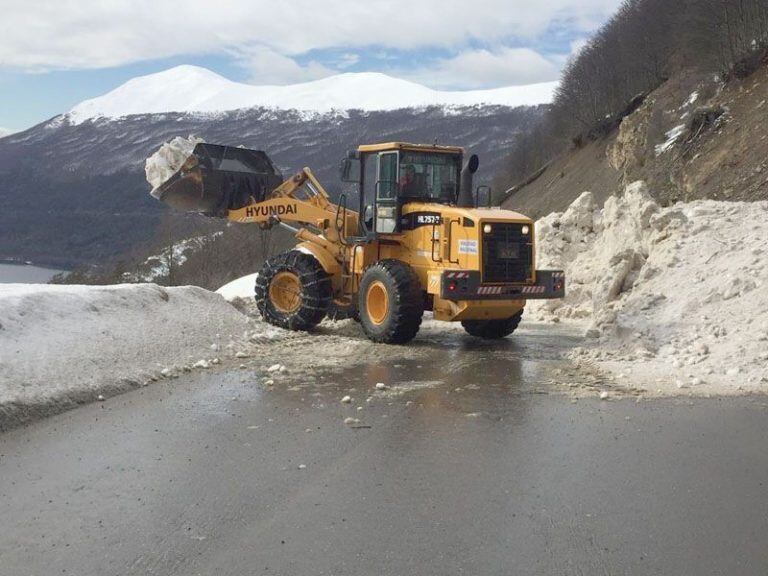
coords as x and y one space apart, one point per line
198 90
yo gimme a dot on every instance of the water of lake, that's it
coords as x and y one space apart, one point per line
25 274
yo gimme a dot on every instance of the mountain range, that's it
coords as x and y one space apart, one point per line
73 187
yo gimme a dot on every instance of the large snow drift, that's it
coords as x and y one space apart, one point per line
63 344
675 298
195 89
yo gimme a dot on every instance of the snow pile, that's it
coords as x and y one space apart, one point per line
676 298
168 160
240 288
193 89
63 344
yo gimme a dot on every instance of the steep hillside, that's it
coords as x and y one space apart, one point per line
73 188
694 137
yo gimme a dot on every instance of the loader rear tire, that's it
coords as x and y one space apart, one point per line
293 291
390 302
492 329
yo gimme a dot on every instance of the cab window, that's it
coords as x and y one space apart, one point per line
428 176
386 185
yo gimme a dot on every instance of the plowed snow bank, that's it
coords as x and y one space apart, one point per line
674 298
62 344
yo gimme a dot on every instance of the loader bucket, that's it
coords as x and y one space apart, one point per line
215 179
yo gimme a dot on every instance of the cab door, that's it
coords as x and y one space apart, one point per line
386 193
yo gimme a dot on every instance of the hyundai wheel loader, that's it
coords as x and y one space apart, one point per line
416 240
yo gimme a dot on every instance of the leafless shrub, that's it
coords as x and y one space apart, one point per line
642 45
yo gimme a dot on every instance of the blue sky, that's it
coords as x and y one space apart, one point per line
54 54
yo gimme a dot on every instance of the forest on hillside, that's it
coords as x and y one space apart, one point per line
637 50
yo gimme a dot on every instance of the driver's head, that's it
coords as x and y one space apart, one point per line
410 170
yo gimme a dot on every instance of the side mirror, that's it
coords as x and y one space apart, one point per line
350 169
479 194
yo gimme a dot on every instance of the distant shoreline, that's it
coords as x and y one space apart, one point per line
18 271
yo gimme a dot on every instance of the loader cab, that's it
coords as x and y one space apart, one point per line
391 175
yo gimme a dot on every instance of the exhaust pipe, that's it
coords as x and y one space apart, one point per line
465 199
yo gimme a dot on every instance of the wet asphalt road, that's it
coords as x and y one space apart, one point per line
214 474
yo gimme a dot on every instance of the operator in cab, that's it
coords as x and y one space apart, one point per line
408 180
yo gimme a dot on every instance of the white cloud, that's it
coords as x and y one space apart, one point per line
488 69
347 60
265 66
75 34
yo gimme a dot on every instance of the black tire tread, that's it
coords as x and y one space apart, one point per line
316 291
492 329
407 304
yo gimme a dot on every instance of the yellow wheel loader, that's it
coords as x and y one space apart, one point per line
416 242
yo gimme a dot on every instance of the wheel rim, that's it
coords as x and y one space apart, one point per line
377 302
285 292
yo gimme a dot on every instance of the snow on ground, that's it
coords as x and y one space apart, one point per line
64 344
674 300
672 137
240 288
195 89
168 159
6 132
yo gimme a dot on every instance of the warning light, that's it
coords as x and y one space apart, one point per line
452 287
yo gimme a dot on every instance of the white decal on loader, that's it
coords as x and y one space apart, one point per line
428 219
467 246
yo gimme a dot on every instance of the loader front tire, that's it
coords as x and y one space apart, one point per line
492 329
390 302
293 291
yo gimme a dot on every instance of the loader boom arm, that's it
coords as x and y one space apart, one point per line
302 200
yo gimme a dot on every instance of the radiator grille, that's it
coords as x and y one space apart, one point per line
507 253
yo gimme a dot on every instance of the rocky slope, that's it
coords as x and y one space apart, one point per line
694 137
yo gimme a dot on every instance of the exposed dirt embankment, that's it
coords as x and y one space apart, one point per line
693 138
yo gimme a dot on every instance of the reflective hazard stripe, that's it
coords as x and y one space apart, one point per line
457 275
496 290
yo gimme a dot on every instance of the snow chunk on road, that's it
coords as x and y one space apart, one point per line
677 294
61 345
240 288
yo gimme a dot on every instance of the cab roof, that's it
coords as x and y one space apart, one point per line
393 146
